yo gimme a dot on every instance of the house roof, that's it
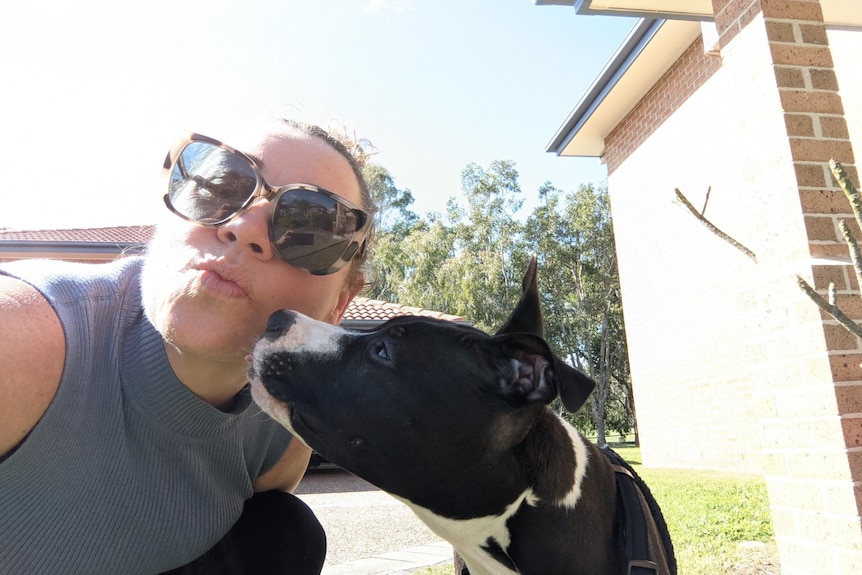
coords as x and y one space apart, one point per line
682 9
110 235
667 28
83 244
365 309
108 242
645 55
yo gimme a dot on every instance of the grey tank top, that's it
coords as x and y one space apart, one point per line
127 471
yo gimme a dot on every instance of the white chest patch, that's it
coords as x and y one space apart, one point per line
468 536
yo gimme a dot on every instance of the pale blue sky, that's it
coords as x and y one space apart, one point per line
95 91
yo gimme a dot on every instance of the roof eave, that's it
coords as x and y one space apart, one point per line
655 9
650 49
645 55
16 250
622 60
701 11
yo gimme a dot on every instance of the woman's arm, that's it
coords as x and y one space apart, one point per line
32 352
285 474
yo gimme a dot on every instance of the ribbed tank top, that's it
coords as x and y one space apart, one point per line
127 471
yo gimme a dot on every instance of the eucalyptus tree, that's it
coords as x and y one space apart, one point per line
486 235
395 220
469 262
573 235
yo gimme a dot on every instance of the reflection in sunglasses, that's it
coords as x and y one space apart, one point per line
310 228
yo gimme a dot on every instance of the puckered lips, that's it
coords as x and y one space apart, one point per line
223 280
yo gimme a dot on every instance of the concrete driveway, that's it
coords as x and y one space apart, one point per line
363 522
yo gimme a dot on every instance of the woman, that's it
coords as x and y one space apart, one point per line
128 440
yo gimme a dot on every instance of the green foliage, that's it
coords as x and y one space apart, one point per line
460 264
395 220
485 234
573 235
469 262
394 214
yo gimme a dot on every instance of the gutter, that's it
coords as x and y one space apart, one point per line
97 248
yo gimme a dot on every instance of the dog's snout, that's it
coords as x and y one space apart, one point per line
279 322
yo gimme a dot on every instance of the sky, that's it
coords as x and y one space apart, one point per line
95 92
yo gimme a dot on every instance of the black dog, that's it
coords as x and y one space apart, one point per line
454 422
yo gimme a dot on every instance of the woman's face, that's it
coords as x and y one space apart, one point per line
210 291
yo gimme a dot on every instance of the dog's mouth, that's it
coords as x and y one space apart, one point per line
269 397
270 393
299 421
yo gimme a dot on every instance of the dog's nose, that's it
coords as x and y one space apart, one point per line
279 322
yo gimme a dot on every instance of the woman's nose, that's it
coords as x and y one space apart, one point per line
250 230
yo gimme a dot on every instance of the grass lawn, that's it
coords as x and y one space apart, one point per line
719 522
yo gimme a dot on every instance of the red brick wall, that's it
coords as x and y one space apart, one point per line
825 532
683 78
732 16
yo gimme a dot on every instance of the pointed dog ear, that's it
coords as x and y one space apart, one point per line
536 375
527 316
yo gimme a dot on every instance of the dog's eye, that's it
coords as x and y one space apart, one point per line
380 352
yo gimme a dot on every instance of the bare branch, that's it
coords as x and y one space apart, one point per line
854 250
849 189
705 201
711 227
856 205
829 308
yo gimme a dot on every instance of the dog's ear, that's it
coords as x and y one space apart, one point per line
537 375
527 316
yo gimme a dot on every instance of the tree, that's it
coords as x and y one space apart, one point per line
486 235
573 236
394 214
469 262
395 221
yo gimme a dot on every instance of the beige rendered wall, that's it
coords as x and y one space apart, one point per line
711 333
733 366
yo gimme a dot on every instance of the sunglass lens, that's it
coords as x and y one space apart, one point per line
313 231
209 184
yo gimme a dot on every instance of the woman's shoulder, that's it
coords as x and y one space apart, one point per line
32 352
39 302
63 281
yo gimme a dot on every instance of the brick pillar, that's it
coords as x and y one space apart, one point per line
815 472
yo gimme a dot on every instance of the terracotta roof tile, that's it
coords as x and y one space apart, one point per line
362 308
111 235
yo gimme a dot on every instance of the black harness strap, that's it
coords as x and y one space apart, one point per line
635 534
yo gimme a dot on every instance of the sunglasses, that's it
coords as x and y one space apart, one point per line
210 183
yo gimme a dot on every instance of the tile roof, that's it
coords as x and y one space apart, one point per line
362 308
111 235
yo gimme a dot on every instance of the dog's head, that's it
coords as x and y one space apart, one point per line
391 404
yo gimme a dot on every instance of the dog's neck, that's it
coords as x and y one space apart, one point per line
472 537
554 479
556 474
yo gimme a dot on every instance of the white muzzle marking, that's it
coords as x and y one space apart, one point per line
306 336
